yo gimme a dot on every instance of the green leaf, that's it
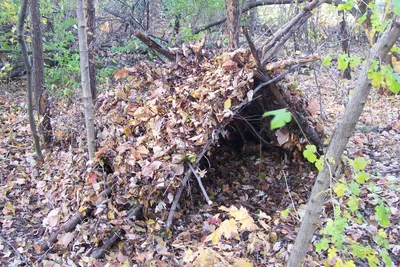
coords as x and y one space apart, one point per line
309 153
327 61
352 203
373 260
354 188
362 19
191 158
319 164
360 164
339 189
281 118
343 62
322 245
359 251
385 257
381 213
362 177
286 212
354 61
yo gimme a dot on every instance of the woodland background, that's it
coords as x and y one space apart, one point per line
199 133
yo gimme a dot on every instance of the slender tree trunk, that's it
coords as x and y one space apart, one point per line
38 73
85 77
252 19
233 16
344 36
24 50
90 9
338 143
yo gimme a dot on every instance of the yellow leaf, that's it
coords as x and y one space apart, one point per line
214 237
227 104
331 253
339 263
248 224
8 207
229 229
349 264
242 262
189 256
82 209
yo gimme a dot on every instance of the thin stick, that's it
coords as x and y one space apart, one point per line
200 183
290 195
15 250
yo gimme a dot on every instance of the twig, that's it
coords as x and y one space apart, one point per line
15 250
200 183
96 254
290 195
320 96
176 199
71 223
131 215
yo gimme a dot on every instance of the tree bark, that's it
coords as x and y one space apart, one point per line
85 77
233 15
344 36
41 100
338 143
91 33
24 50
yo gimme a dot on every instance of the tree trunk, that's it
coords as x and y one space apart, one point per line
24 50
338 143
38 73
91 33
85 77
344 36
233 16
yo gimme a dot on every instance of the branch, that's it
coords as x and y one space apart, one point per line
247 8
154 46
355 12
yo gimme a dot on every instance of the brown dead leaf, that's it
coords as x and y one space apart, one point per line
313 106
121 73
230 65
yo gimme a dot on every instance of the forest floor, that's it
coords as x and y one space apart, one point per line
35 199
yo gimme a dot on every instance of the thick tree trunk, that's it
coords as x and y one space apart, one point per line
91 38
233 15
338 143
38 73
85 77
24 50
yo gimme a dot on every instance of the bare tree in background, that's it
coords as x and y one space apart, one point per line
233 18
90 13
85 77
41 100
24 50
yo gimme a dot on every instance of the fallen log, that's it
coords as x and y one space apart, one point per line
132 216
153 45
72 223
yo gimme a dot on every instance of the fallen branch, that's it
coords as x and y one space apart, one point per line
72 223
131 215
283 64
15 250
200 183
278 40
153 45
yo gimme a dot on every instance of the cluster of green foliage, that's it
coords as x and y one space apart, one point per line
347 205
192 13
